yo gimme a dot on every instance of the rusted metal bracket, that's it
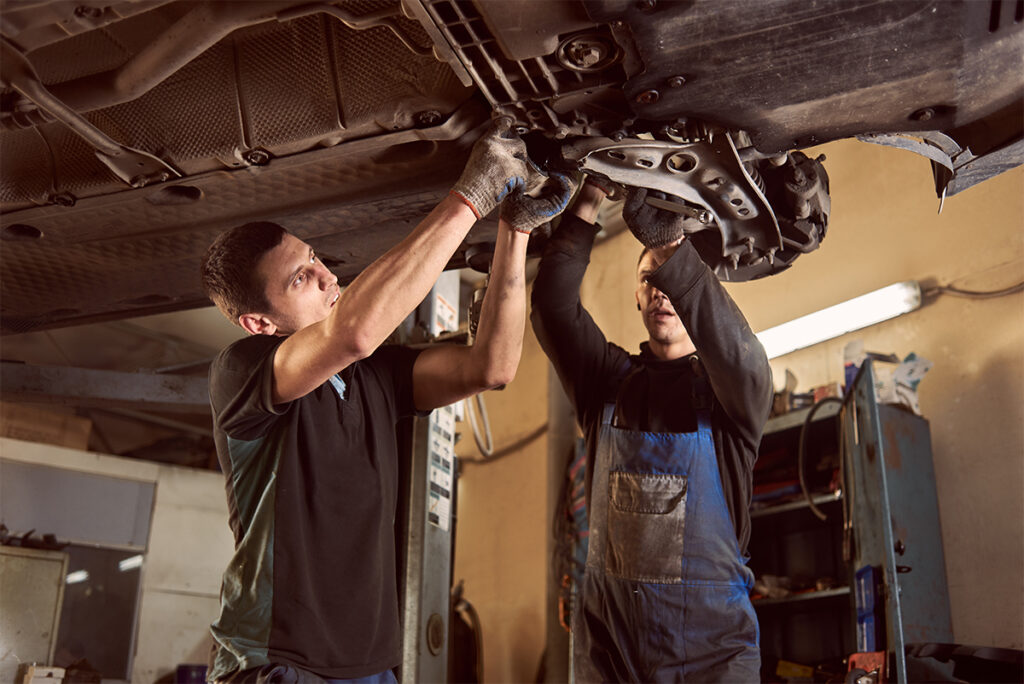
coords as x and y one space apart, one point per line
706 174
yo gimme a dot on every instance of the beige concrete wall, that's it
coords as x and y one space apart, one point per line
884 229
503 525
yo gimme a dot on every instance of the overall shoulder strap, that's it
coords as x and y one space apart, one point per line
702 395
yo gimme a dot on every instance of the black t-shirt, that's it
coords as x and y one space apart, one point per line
312 493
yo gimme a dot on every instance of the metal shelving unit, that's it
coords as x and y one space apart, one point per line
889 495
818 499
803 596
788 540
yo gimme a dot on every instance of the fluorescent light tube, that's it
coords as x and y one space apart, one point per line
76 577
854 314
130 563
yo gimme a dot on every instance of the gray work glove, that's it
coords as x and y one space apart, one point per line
652 227
497 166
525 210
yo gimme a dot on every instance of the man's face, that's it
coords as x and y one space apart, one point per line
299 288
660 318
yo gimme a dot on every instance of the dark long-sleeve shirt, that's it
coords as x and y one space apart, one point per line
651 394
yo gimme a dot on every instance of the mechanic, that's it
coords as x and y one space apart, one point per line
305 411
672 434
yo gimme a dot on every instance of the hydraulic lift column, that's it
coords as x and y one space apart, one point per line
429 520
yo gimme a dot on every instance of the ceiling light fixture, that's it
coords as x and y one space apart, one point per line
854 314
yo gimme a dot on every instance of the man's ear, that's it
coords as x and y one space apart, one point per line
636 294
257 324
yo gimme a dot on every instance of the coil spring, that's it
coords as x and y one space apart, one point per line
755 175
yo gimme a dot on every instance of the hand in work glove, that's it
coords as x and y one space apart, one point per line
612 191
497 166
652 227
525 210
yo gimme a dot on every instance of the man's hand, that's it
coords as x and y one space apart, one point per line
524 212
611 190
652 227
497 166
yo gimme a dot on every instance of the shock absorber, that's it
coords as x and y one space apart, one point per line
755 175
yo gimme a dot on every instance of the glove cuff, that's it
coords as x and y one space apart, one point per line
460 195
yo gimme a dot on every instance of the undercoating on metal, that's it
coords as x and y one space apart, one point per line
330 109
781 75
333 120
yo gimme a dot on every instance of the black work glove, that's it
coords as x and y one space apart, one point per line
652 227
524 210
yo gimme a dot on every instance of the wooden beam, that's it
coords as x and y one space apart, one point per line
86 387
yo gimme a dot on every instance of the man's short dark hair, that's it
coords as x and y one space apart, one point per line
229 272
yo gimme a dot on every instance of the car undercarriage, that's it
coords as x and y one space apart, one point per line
132 132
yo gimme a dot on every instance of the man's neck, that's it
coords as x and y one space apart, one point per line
672 350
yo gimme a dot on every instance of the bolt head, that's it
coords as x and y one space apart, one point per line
925 114
138 181
87 11
676 82
431 117
648 97
257 157
646 5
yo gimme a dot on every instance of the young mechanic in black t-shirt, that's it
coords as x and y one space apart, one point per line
305 411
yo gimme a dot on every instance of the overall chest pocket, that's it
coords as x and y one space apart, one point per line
646 520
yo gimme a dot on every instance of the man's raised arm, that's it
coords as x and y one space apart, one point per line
373 305
447 373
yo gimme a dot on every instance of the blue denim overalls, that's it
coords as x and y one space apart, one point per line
665 594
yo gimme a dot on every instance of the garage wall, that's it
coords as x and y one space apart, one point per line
503 525
189 547
884 229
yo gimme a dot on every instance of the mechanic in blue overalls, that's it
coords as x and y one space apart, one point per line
672 434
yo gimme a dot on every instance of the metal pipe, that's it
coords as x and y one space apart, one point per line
193 34
199 30
135 167
382 17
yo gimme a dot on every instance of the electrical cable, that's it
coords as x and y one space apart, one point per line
973 294
802 448
485 443
512 448
478 630
846 489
